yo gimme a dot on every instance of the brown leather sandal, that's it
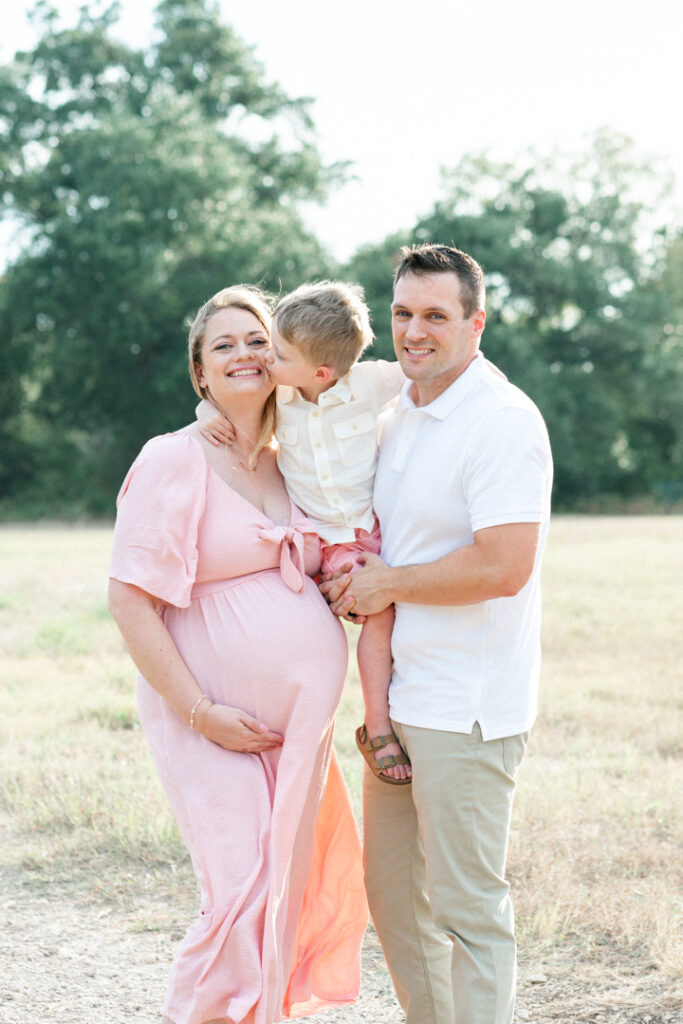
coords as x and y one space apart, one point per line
377 766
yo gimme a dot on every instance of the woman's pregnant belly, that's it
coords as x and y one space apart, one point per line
261 647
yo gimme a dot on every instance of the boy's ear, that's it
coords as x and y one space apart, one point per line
324 374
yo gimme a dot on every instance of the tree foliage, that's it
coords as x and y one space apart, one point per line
139 181
142 181
581 306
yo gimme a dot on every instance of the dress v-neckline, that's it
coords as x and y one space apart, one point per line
214 472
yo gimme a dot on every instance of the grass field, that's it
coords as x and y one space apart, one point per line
595 857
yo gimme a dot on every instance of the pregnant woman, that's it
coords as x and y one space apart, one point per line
241 669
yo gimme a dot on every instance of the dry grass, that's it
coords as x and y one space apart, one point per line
596 850
595 856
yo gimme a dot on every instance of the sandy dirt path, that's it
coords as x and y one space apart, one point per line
96 949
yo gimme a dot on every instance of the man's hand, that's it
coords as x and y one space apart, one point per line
368 590
213 425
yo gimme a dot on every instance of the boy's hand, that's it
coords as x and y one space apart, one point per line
333 587
213 425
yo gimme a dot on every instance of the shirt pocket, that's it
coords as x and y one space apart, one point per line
286 434
356 439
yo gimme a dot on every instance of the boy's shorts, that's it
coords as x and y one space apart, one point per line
336 555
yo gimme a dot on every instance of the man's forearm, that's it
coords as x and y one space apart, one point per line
497 564
462 577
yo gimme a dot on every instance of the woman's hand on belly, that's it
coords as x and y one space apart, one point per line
234 729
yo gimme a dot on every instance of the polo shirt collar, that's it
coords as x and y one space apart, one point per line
446 402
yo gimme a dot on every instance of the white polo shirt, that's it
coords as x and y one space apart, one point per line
477 456
327 451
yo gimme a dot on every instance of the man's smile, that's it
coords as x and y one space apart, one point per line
415 351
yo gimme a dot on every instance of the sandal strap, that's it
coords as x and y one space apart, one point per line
391 761
379 765
377 742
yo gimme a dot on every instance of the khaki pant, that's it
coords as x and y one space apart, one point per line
435 873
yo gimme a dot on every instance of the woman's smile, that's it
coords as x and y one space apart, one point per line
249 371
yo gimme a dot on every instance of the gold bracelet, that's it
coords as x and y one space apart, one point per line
201 721
194 708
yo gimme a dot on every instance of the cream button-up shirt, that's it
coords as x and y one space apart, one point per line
327 451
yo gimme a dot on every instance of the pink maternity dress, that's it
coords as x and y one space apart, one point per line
272 836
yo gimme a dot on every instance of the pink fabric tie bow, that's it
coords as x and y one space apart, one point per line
291 541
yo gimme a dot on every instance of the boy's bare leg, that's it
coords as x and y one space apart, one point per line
374 665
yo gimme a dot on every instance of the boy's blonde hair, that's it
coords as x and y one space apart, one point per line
329 320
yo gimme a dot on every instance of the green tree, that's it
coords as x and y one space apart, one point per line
143 181
576 304
657 444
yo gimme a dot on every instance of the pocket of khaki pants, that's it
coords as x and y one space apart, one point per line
513 752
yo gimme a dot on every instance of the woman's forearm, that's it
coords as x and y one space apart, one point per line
152 647
155 654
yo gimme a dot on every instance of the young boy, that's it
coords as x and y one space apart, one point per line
328 406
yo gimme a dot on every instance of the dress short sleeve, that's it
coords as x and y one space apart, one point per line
160 504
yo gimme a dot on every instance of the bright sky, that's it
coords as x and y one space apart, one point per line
402 89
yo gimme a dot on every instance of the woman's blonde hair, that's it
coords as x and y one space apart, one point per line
253 300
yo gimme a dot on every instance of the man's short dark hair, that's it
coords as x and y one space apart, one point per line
443 259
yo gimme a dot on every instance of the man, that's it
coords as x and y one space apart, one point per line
463 497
